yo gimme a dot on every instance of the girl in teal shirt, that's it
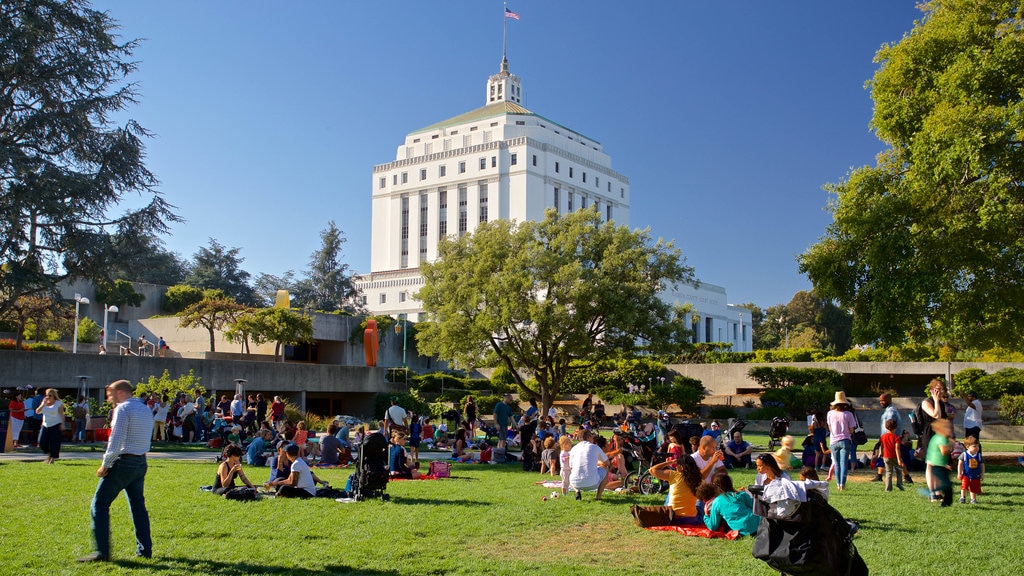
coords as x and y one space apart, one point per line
722 503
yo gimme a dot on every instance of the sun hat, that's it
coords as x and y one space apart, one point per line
840 398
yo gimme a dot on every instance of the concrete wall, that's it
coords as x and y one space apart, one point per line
353 387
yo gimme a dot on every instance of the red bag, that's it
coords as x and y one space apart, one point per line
215 442
485 455
440 469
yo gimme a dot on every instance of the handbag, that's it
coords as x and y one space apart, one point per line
439 469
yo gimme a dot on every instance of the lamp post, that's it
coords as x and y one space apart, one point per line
107 309
79 299
740 314
782 323
403 317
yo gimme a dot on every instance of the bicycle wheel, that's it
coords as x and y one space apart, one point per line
648 484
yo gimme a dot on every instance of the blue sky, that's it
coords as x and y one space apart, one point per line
728 117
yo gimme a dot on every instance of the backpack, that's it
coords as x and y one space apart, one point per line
439 469
917 420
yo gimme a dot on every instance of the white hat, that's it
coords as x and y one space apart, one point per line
840 398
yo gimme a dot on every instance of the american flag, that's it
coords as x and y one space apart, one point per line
511 14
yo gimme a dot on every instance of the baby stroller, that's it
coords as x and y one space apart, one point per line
371 476
814 540
779 427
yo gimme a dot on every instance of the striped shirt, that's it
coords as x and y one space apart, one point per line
130 431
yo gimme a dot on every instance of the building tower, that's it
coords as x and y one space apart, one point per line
497 161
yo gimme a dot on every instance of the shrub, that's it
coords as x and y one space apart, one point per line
8 344
88 331
722 413
767 413
485 404
965 380
165 385
503 381
682 390
1011 409
410 402
999 384
617 374
781 376
795 401
45 347
179 297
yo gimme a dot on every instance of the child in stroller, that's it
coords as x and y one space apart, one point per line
778 428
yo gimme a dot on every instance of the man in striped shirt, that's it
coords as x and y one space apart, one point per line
123 468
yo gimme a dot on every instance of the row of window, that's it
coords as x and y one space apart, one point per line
584 201
442 217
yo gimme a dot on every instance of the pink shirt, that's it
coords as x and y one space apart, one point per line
840 425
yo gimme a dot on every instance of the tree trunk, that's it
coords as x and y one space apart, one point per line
212 344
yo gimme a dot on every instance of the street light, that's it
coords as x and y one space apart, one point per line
782 322
79 299
106 309
740 314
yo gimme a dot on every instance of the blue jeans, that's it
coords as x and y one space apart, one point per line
79 435
841 452
128 474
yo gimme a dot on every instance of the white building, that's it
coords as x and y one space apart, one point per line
499 161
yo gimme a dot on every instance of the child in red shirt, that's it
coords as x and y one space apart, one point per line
891 456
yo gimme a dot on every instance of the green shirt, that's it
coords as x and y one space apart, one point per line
935 457
502 414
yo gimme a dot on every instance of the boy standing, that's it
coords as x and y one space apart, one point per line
937 459
971 470
891 456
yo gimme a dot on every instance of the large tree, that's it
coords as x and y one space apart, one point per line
928 243
277 325
215 311
328 285
539 295
220 268
65 165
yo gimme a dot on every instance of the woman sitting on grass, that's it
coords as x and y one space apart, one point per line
459 446
229 470
398 460
723 504
683 483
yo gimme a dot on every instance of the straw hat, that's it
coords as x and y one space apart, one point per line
840 399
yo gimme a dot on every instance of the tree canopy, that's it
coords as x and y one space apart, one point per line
65 165
220 268
327 285
277 325
213 312
538 295
927 243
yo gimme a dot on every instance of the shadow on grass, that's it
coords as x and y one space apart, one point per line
868 525
188 566
436 501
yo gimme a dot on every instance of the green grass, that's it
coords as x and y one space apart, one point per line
484 520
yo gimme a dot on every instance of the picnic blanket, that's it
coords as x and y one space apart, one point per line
550 483
319 465
424 477
699 531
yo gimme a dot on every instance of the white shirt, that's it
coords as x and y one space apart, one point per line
701 463
53 414
160 412
972 415
306 483
131 426
583 459
397 415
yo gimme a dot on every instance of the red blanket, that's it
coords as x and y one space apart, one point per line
700 531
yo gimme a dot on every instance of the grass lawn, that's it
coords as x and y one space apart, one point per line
484 520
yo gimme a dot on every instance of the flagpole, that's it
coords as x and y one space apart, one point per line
504 31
